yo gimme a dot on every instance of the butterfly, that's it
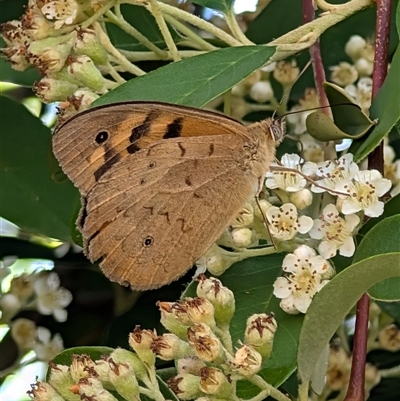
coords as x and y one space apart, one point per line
159 183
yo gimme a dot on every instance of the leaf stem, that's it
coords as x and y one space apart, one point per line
119 20
271 390
155 9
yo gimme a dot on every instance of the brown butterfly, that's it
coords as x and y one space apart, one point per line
160 183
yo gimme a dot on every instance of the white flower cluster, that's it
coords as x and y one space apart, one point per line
39 292
357 195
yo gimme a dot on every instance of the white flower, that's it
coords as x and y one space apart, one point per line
307 273
23 331
344 74
62 11
336 233
284 222
47 348
51 300
363 193
287 181
332 172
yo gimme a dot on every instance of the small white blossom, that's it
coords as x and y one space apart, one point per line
354 47
284 222
307 273
51 299
23 331
344 74
332 172
288 181
47 348
61 11
262 92
363 193
336 233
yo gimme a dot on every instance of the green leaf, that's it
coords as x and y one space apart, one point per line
383 238
30 196
252 284
220 5
348 119
398 18
385 108
194 81
331 305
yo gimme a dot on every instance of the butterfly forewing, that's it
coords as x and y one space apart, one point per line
90 143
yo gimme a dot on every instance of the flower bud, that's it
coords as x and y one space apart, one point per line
169 347
120 355
83 69
88 44
217 260
247 361
213 381
90 387
41 391
82 366
260 332
60 378
190 364
344 74
199 310
301 199
206 344
140 341
22 286
102 369
262 92
220 297
354 46
185 386
23 332
286 73
9 305
389 338
123 378
82 99
50 54
52 90
243 237
174 318
364 67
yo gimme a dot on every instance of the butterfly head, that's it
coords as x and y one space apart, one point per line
277 129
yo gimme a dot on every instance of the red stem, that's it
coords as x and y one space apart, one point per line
384 7
355 391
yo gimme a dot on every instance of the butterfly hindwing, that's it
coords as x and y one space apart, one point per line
152 215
